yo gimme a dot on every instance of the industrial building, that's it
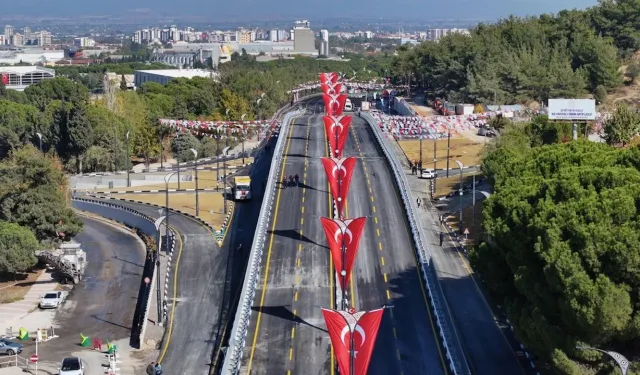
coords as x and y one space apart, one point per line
31 56
20 77
304 40
164 76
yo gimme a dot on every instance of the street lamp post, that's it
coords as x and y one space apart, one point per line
448 148
158 224
178 161
167 178
243 133
40 138
435 173
128 160
195 157
460 196
621 360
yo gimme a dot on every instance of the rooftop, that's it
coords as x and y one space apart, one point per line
24 69
179 73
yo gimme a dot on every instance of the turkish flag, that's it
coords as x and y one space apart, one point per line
334 104
331 89
337 129
331 77
339 172
353 337
347 234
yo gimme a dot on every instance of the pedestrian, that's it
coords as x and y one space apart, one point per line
441 238
440 219
158 369
151 369
418 202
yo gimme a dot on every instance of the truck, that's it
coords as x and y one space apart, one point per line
242 188
348 107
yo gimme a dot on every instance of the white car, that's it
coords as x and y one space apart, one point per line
52 300
71 366
428 173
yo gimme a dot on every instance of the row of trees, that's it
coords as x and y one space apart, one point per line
535 58
562 249
80 132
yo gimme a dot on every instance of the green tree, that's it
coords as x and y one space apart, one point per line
123 83
182 144
622 126
600 94
17 248
33 194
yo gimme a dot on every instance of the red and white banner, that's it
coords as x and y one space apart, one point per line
334 104
343 235
331 77
337 129
353 337
339 172
331 89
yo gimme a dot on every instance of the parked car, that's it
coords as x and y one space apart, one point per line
71 366
52 300
9 347
428 173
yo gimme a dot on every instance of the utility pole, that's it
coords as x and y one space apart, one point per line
128 161
448 148
110 97
243 132
195 157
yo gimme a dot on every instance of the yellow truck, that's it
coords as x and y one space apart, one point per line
242 188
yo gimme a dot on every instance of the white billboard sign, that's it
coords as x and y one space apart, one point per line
572 109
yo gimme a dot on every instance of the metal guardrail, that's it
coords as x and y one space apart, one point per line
238 335
149 230
450 340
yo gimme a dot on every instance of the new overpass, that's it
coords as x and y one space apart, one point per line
287 333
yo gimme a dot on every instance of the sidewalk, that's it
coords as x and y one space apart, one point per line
12 314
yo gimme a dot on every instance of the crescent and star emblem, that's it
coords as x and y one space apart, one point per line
343 228
357 329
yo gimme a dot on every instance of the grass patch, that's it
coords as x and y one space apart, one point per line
211 204
14 290
206 179
446 185
472 220
464 150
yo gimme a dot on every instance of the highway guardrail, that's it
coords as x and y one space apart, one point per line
238 335
145 224
450 340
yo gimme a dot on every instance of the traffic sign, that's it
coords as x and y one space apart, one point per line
33 358
147 280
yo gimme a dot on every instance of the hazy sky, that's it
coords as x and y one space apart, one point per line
266 9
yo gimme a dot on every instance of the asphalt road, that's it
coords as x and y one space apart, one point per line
115 262
201 268
386 270
287 333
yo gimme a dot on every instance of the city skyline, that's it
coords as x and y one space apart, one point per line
244 9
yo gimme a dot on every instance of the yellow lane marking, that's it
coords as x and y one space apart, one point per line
372 199
295 298
291 354
302 208
388 294
378 232
299 247
380 246
175 295
293 332
301 222
382 260
298 262
268 262
385 277
374 209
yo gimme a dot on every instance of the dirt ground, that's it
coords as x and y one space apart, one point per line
464 150
472 220
14 290
446 185
211 204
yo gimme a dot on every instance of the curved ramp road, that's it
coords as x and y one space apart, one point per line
200 266
115 261
287 334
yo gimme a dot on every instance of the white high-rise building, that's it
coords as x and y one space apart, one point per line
324 35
